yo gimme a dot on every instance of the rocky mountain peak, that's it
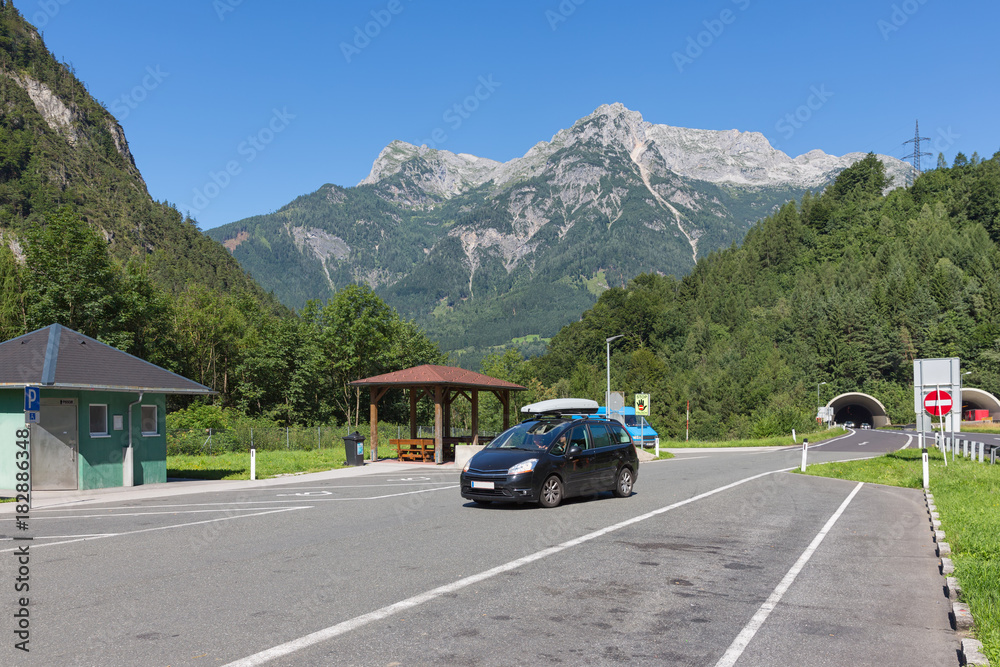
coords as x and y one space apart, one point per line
730 157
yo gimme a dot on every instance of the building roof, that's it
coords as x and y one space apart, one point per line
61 358
430 375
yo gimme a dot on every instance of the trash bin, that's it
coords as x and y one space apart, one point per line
354 447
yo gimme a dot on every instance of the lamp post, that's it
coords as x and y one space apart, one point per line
818 403
607 396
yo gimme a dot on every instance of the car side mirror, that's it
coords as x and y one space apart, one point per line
574 452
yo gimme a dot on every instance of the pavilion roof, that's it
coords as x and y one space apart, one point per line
431 375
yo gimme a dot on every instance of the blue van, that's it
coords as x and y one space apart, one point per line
640 430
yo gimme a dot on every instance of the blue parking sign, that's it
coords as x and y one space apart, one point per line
32 399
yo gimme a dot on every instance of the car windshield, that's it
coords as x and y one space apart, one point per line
636 422
533 436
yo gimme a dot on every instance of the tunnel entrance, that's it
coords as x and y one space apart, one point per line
860 409
853 413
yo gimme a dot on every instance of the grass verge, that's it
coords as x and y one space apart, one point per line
781 441
967 495
270 463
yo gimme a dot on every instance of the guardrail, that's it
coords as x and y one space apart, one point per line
969 449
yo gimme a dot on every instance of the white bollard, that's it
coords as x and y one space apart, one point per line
253 464
657 447
982 451
927 471
793 436
805 446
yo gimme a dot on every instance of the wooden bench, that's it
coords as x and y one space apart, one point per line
414 449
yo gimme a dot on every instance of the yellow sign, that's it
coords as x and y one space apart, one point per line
642 404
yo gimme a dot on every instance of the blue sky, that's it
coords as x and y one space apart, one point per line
251 104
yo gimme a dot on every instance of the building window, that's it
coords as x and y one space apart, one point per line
98 421
149 424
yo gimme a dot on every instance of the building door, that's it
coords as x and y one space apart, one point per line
55 446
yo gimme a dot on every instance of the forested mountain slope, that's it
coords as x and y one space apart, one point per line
483 253
84 245
845 288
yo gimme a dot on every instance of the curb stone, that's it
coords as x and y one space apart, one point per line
963 617
972 652
954 590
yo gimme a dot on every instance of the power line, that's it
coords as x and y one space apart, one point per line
915 156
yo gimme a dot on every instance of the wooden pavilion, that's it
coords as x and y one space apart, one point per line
444 384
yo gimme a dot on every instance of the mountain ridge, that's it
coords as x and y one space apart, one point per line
482 252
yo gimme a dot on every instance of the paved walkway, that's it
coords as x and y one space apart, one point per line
180 487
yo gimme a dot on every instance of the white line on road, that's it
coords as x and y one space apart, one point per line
359 621
909 439
743 639
150 530
312 499
862 444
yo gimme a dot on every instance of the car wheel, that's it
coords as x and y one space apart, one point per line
623 485
552 492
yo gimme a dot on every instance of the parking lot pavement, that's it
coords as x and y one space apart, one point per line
182 487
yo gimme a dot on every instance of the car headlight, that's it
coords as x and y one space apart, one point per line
522 467
467 464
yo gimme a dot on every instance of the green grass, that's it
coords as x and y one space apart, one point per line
781 441
899 468
270 463
981 428
967 495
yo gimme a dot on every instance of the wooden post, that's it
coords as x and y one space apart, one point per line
475 416
413 412
449 399
505 399
373 410
439 424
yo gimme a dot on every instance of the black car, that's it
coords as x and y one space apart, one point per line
557 453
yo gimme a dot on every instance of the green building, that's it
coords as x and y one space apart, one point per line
101 418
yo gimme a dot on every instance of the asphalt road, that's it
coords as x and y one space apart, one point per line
395 569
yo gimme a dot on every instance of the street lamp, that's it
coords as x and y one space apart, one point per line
607 396
817 393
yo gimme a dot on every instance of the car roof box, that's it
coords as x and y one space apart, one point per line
562 406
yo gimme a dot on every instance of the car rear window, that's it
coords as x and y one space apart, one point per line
600 434
618 434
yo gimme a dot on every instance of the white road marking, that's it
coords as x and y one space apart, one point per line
417 600
909 439
92 508
150 530
739 644
116 515
862 444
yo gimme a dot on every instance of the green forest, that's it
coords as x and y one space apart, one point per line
836 292
844 288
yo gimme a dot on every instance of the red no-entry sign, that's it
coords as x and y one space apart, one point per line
938 403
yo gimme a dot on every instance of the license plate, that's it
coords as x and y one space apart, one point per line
482 485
